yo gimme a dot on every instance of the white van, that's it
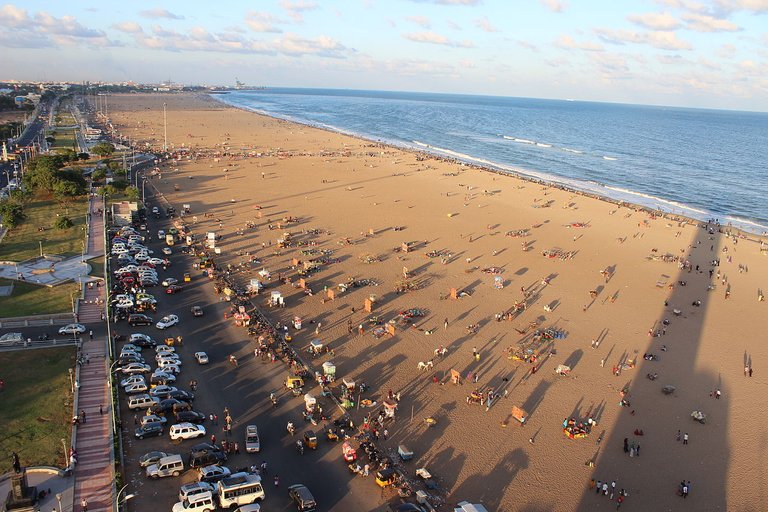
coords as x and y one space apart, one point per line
141 401
172 465
202 502
239 489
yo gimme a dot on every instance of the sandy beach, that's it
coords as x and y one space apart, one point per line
537 271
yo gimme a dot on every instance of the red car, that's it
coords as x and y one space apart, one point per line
174 288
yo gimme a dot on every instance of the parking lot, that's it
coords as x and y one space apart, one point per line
244 391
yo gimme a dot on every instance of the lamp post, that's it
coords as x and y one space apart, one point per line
72 380
125 498
165 129
66 455
41 247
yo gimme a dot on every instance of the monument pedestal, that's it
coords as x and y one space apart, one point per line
22 497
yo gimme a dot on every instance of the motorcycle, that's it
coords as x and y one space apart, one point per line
291 429
300 447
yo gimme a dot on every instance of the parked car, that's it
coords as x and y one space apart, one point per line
150 419
162 391
167 321
202 357
300 495
139 387
150 430
213 473
197 311
132 368
180 394
72 329
167 251
150 458
190 417
133 379
204 454
193 488
182 431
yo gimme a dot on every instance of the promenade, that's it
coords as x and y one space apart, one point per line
94 473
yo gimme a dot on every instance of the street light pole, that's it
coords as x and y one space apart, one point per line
165 129
125 498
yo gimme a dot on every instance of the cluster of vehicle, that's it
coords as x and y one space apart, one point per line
150 386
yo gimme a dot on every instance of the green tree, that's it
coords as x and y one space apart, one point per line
63 223
41 173
11 212
132 193
103 149
98 175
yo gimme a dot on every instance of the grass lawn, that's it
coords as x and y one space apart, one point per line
97 266
36 406
31 299
21 243
63 139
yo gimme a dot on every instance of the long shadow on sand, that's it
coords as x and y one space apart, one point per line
653 478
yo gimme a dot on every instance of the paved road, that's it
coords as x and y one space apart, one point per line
245 391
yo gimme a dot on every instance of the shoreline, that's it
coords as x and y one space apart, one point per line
725 229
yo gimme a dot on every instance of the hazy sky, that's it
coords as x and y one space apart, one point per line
706 53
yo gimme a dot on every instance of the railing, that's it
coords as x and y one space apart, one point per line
36 320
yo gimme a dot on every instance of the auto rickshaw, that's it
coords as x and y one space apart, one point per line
310 440
331 435
187 277
170 341
385 477
294 383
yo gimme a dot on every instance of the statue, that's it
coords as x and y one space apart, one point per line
16 463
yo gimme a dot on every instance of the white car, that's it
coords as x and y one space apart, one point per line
126 269
132 347
72 329
129 353
142 257
202 357
186 431
164 349
164 375
168 366
156 261
213 473
132 368
119 250
252 442
139 387
169 359
170 281
167 251
140 336
133 379
162 390
167 321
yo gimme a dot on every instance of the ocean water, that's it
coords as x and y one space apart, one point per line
700 163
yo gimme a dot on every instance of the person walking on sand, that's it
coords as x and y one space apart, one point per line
445 323
685 438
84 505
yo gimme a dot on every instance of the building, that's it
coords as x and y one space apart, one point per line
123 213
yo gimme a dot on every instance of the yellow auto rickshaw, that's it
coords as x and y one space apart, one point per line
187 277
310 439
385 477
293 382
170 341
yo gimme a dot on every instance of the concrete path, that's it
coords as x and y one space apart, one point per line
94 475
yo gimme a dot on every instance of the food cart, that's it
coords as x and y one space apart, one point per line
349 384
276 299
349 453
404 452
315 346
310 402
329 370
519 414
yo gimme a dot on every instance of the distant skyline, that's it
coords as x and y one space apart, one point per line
706 53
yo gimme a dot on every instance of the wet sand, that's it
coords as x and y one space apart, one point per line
347 188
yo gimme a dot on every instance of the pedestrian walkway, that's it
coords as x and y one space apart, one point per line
89 310
94 473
